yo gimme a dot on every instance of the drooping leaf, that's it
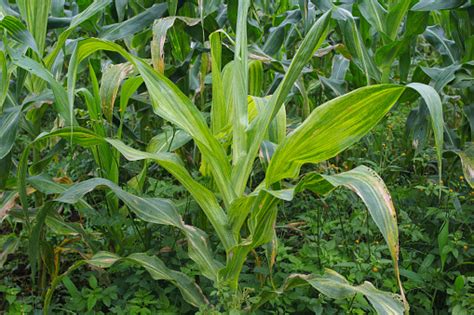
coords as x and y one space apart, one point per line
203 196
153 210
110 84
433 102
336 286
467 160
60 104
446 47
160 29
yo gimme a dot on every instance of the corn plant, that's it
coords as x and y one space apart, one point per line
243 127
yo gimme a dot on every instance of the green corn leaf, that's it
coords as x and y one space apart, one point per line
219 113
17 30
133 25
396 12
34 240
258 128
336 286
255 77
171 104
168 141
433 102
96 7
355 45
374 13
331 128
277 129
430 5
35 13
153 210
4 80
9 121
10 245
239 91
77 135
129 87
61 101
204 197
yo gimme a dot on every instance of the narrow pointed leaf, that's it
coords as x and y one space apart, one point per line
433 102
153 210
331 128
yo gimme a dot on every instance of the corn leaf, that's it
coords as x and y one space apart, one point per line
433 102
133 25
331 128
204 197
9 121
336 286
158 271
153 210
171 104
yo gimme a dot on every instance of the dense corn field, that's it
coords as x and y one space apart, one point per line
236 157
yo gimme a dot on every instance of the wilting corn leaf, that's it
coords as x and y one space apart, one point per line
435 35
153 210
157 269
331 128
467 160
336 286
160 29
110 84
